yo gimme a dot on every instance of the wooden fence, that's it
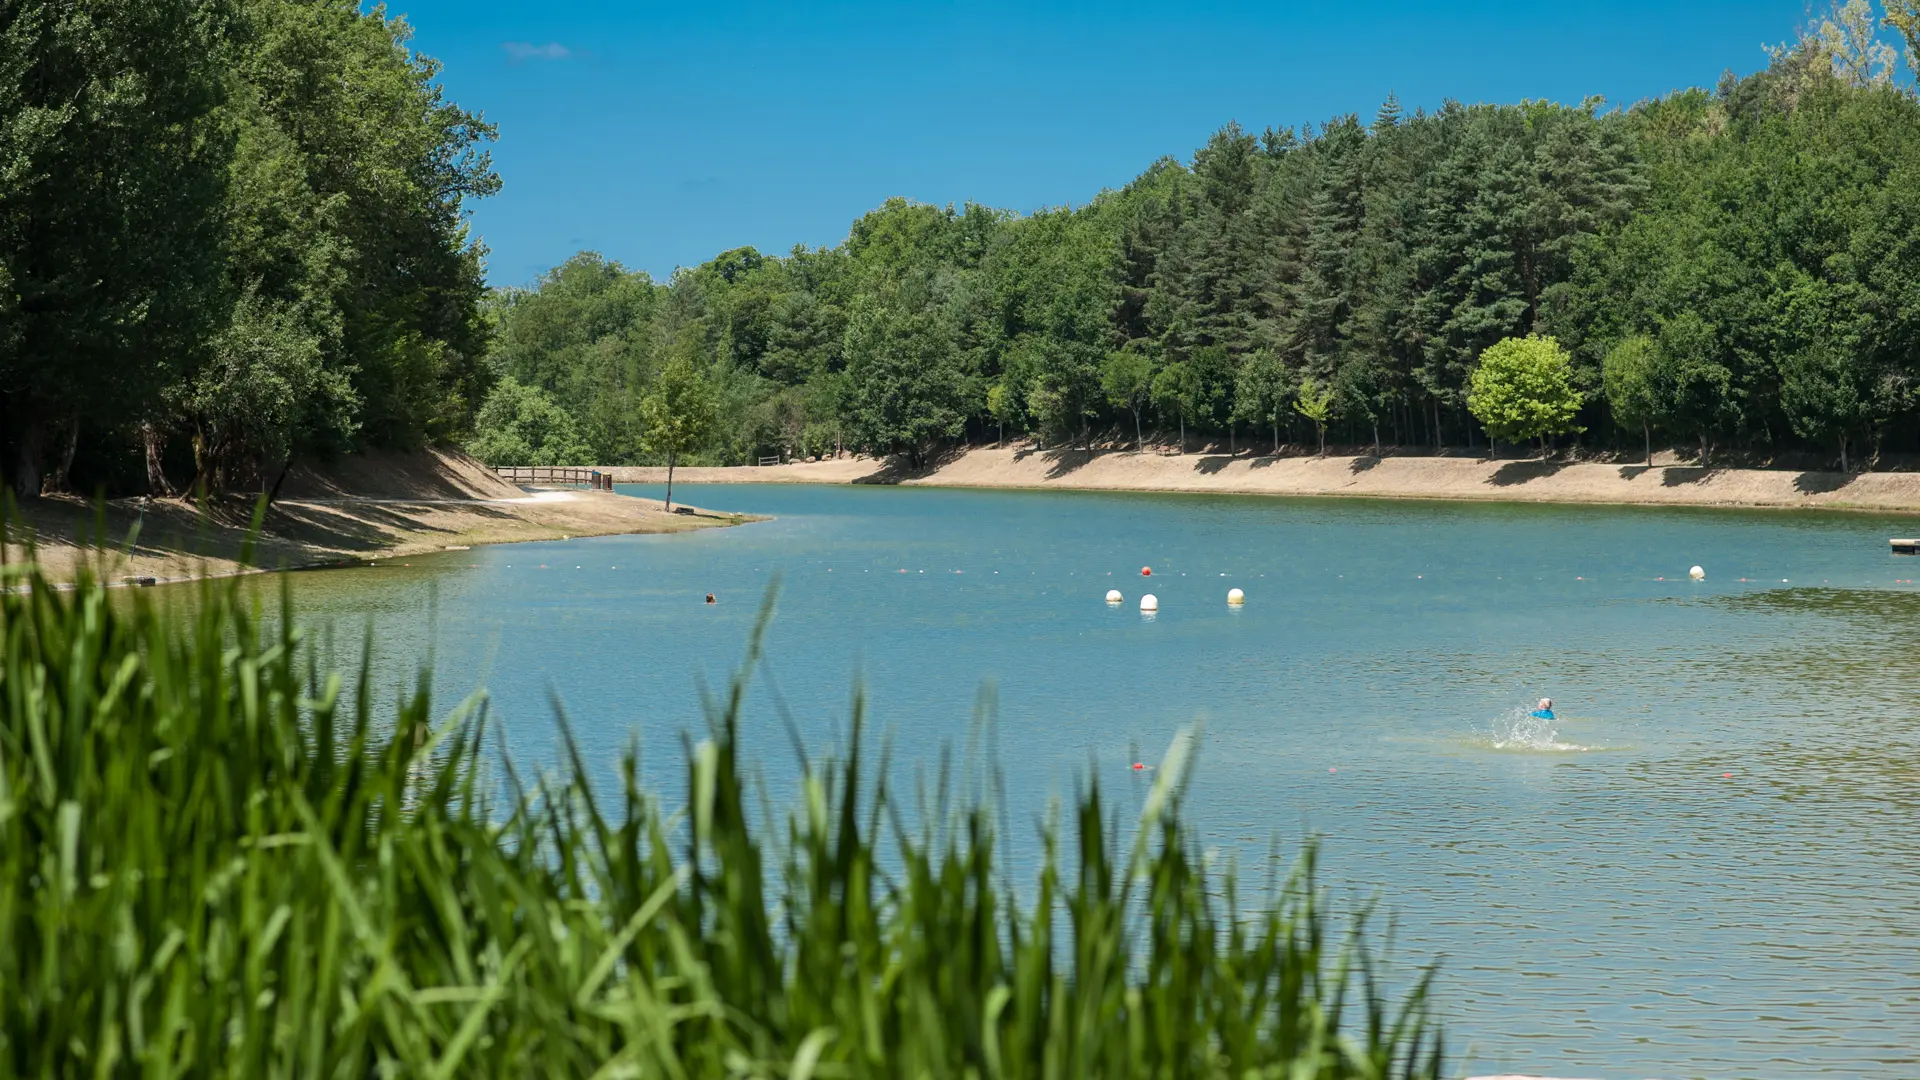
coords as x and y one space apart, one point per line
556 476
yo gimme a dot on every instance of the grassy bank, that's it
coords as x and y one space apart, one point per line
1670 483
212 865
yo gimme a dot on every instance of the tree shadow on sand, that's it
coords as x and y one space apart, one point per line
1521 472
1065 462
1819 483
1682 475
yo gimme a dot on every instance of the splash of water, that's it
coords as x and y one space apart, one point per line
1519 729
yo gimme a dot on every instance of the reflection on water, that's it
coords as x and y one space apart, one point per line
1704 868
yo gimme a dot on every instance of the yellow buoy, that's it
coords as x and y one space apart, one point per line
1114 597
1149 602
1235 596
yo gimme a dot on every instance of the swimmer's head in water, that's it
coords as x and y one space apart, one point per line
1546 703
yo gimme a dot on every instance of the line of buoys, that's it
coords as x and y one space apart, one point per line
1114 597
1235 596
1149 602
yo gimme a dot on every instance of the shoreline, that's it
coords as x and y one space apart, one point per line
1390 477
415 505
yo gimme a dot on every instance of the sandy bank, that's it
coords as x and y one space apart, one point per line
1387 477
367 507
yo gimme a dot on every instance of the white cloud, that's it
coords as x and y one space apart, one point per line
521 51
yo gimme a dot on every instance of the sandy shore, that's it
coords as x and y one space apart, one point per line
1387 477
359 510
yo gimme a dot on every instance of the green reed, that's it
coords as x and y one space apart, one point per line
212 865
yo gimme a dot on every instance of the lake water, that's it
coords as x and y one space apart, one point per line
1708 866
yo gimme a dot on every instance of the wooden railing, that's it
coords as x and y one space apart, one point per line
766 461
556 475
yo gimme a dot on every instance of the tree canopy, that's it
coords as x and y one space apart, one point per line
231 231
1523 389
1748 245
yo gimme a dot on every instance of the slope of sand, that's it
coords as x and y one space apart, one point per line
361 508
1386 477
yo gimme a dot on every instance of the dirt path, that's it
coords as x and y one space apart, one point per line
427 502
1388 477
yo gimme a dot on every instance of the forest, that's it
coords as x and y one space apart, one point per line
1734 271
234 234
231 234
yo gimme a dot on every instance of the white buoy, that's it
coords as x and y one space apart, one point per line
1697 574
1235 596
1149 602
1114 597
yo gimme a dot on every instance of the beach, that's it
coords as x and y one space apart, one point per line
1392 477
377 506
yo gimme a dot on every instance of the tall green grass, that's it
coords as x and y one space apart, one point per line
212 865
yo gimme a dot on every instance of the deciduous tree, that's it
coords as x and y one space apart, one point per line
677 415
1523 389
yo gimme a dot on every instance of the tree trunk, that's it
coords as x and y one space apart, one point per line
1276 434
1137 440
1843 454
1376 437
274 492
57 478
26 466
1322 428
153 442
1183 433
1437 441
670 460
1233 448
1703 449
998 444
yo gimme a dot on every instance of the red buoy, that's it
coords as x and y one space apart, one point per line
1146 571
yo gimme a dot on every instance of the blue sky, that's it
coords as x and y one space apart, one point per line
662 134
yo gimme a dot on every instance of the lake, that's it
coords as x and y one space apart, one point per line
1709 865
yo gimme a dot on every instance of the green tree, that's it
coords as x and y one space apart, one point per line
677 416
1262 388
1697 391
1003 405
1523 389
1177 391
1318 402
1127 377
113 186
523 425
587 333
907 389
1827 395
1628 379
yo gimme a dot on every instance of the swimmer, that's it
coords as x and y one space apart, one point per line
711 600
1545 711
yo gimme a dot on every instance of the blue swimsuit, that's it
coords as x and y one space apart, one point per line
1543 714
